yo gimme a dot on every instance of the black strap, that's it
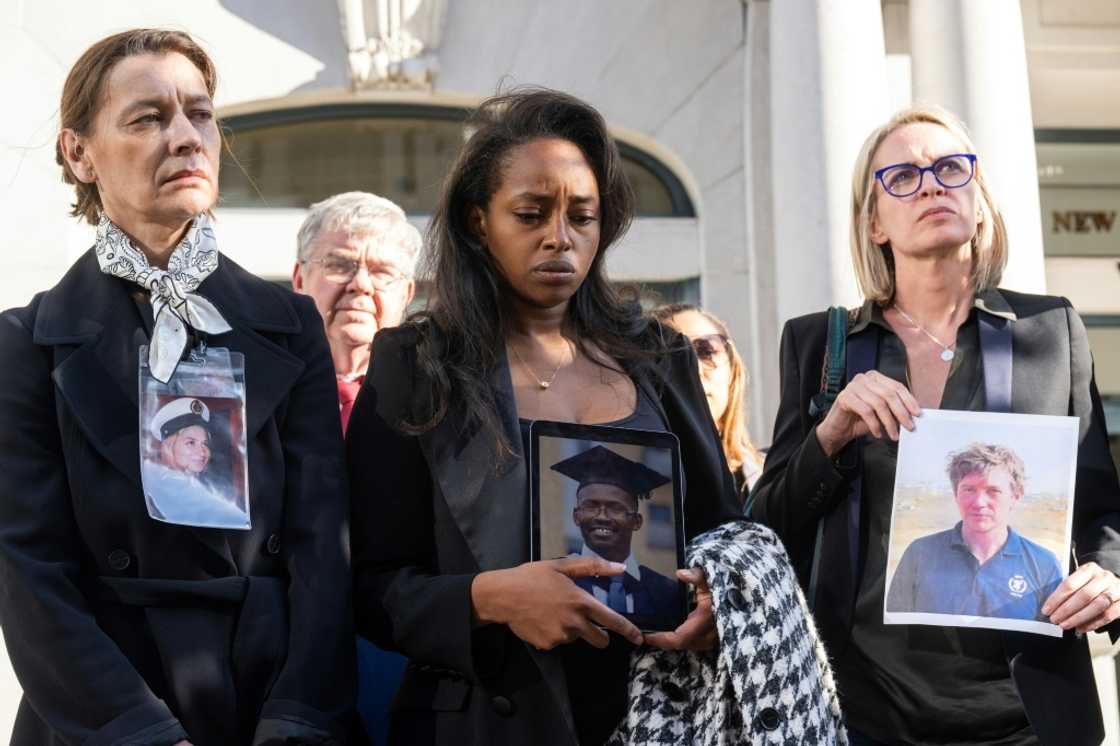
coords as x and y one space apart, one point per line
832 378
995 352
840 526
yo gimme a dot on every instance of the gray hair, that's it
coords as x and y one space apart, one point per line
360 213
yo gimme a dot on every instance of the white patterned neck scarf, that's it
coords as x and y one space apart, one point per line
175 306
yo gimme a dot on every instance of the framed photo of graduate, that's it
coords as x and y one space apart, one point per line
981 520
614 493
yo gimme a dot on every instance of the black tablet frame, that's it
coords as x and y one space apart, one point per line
622 435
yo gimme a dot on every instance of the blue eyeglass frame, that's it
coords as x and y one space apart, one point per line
971 158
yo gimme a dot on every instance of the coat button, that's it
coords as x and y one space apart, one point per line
502 705
119 560
272 545
737 600
769 719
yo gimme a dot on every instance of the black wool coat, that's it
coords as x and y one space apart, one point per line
1052 374
432 511
123 629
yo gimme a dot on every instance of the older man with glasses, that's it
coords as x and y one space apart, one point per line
357 254
356 258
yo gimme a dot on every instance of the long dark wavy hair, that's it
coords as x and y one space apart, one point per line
464 326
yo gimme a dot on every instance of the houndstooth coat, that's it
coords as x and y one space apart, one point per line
769 682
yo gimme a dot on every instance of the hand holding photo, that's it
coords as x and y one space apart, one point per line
606 512
982 515
613 493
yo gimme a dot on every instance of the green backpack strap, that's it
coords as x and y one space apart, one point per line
832 378
832 381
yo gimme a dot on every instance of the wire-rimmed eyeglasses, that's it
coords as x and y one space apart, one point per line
341 271
950 171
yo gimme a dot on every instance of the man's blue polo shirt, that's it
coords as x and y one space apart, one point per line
938 575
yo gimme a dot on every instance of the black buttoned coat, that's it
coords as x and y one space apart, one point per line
432 511
123 629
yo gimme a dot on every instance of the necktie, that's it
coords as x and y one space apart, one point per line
616 595
175 305
347 394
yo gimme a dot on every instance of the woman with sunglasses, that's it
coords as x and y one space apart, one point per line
929 247
726 382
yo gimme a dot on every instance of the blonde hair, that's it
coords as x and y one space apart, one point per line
874 264
732 424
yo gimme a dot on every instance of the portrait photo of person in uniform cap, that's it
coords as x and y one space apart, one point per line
611 488
177 481
982 566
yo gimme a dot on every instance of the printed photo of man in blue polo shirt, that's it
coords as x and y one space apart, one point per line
981 566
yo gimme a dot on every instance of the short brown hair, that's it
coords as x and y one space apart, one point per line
83 93
874 264
982 458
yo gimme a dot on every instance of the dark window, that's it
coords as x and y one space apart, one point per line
294 157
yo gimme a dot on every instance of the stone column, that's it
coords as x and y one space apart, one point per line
828 90
970 57
760 349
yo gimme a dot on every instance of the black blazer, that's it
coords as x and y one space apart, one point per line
1052 373
124 629
432 511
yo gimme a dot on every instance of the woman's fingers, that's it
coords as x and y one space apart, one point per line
600 614
697 632
854 403
894 396
881 403
595 636
882 411
587 567
1084 599
871 403
1073 583
1109 615
694 576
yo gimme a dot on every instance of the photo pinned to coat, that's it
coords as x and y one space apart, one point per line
193 451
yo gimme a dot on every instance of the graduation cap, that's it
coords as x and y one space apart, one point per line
599 465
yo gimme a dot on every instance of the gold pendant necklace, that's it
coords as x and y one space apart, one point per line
532 374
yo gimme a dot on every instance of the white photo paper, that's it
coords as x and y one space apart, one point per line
981 521
193 464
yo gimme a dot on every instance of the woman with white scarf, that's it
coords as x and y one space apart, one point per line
123 628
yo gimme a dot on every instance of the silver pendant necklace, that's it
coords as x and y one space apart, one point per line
947 353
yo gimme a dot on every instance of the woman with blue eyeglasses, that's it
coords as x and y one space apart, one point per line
929 247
